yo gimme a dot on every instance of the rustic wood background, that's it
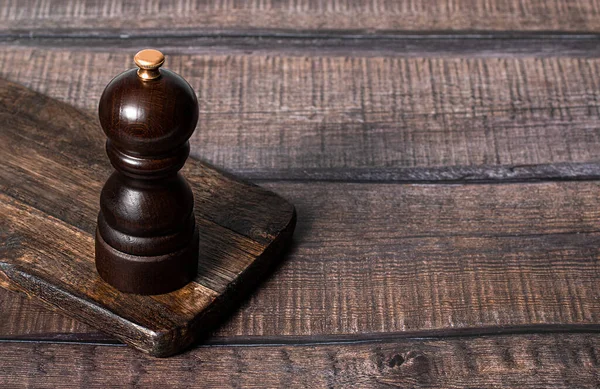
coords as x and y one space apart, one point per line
443 157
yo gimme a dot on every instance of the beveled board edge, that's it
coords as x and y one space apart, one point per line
156 343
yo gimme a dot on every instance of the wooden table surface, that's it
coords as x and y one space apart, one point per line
443 157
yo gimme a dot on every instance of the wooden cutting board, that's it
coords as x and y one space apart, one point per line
52 168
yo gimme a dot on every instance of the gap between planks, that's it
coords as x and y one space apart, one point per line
331 339
314 43
443 175
185 33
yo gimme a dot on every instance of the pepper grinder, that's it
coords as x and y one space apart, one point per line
147 238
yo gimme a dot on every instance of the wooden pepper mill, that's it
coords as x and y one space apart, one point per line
147 239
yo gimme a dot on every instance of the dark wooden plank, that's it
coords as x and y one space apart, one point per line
383 258
414 119
367 16
524 361
396 258
21 316
48 197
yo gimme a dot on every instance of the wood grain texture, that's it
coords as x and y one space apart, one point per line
352 95
371 15
524 361
371 259
377 258
344 118
47 199
25 317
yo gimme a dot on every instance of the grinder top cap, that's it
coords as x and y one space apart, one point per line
148 111
148 61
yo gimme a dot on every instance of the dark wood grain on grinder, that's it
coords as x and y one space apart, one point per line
49 252
146 241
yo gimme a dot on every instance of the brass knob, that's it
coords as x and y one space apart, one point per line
149 61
